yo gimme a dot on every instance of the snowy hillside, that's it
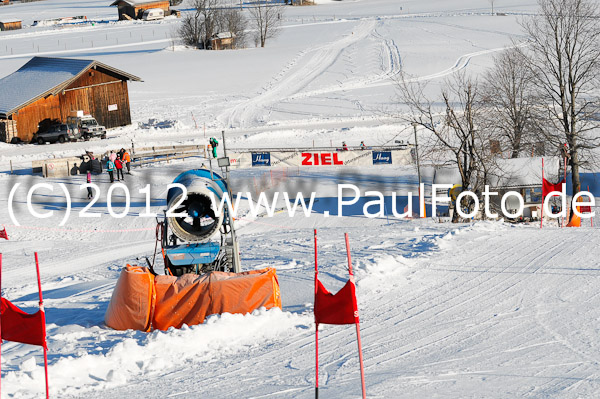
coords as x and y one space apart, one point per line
482 310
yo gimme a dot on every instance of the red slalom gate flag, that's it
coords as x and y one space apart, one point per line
19 326
340 308
3 234
548 187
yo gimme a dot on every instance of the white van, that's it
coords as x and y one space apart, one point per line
153 13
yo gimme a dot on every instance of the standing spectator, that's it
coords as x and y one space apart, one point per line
89 180
110 168
127 161
362 145
214 143
344 146
119 166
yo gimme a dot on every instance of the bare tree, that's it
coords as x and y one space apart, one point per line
454 138
232 20
565 64
507 95
265 18
198 27
190 30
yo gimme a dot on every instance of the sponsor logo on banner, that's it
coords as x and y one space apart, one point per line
261 159
323 158
382 157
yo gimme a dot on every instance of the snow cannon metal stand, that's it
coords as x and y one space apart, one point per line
193 238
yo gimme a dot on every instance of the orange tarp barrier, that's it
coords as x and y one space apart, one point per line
130 306
188 299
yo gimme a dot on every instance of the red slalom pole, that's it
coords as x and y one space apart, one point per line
37 268
360 356
591 219
316 325
542 210
565 178
0 324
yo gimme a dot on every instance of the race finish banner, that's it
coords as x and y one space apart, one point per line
319 158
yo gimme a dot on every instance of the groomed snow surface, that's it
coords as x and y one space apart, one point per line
483 310
478 310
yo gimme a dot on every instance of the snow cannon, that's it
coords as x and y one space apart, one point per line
195 239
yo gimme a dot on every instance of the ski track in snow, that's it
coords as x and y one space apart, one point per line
293 79
299 73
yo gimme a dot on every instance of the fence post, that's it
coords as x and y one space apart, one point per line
11 168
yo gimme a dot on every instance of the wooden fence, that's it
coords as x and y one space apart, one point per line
63 167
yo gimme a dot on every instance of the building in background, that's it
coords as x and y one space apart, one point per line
45 91
134 9
10 24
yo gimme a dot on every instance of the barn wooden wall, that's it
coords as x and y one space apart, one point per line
10 25
136 12
91 100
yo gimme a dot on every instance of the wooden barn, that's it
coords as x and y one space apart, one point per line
4 2
10 24
133 9
48 90
222 41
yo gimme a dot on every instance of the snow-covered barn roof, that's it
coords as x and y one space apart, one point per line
223 35
9 20
43 76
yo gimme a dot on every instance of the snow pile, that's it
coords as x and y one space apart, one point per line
147 354
384 274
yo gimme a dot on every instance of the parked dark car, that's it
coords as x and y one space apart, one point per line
58 133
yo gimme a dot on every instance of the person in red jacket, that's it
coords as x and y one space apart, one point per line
119 166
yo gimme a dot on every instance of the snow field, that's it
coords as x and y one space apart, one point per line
485 310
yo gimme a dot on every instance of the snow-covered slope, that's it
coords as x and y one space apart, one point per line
485 310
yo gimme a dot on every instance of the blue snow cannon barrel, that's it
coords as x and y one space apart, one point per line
190 212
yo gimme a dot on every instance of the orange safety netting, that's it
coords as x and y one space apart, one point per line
142 301
576 220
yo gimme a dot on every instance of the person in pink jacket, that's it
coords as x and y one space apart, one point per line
89 189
